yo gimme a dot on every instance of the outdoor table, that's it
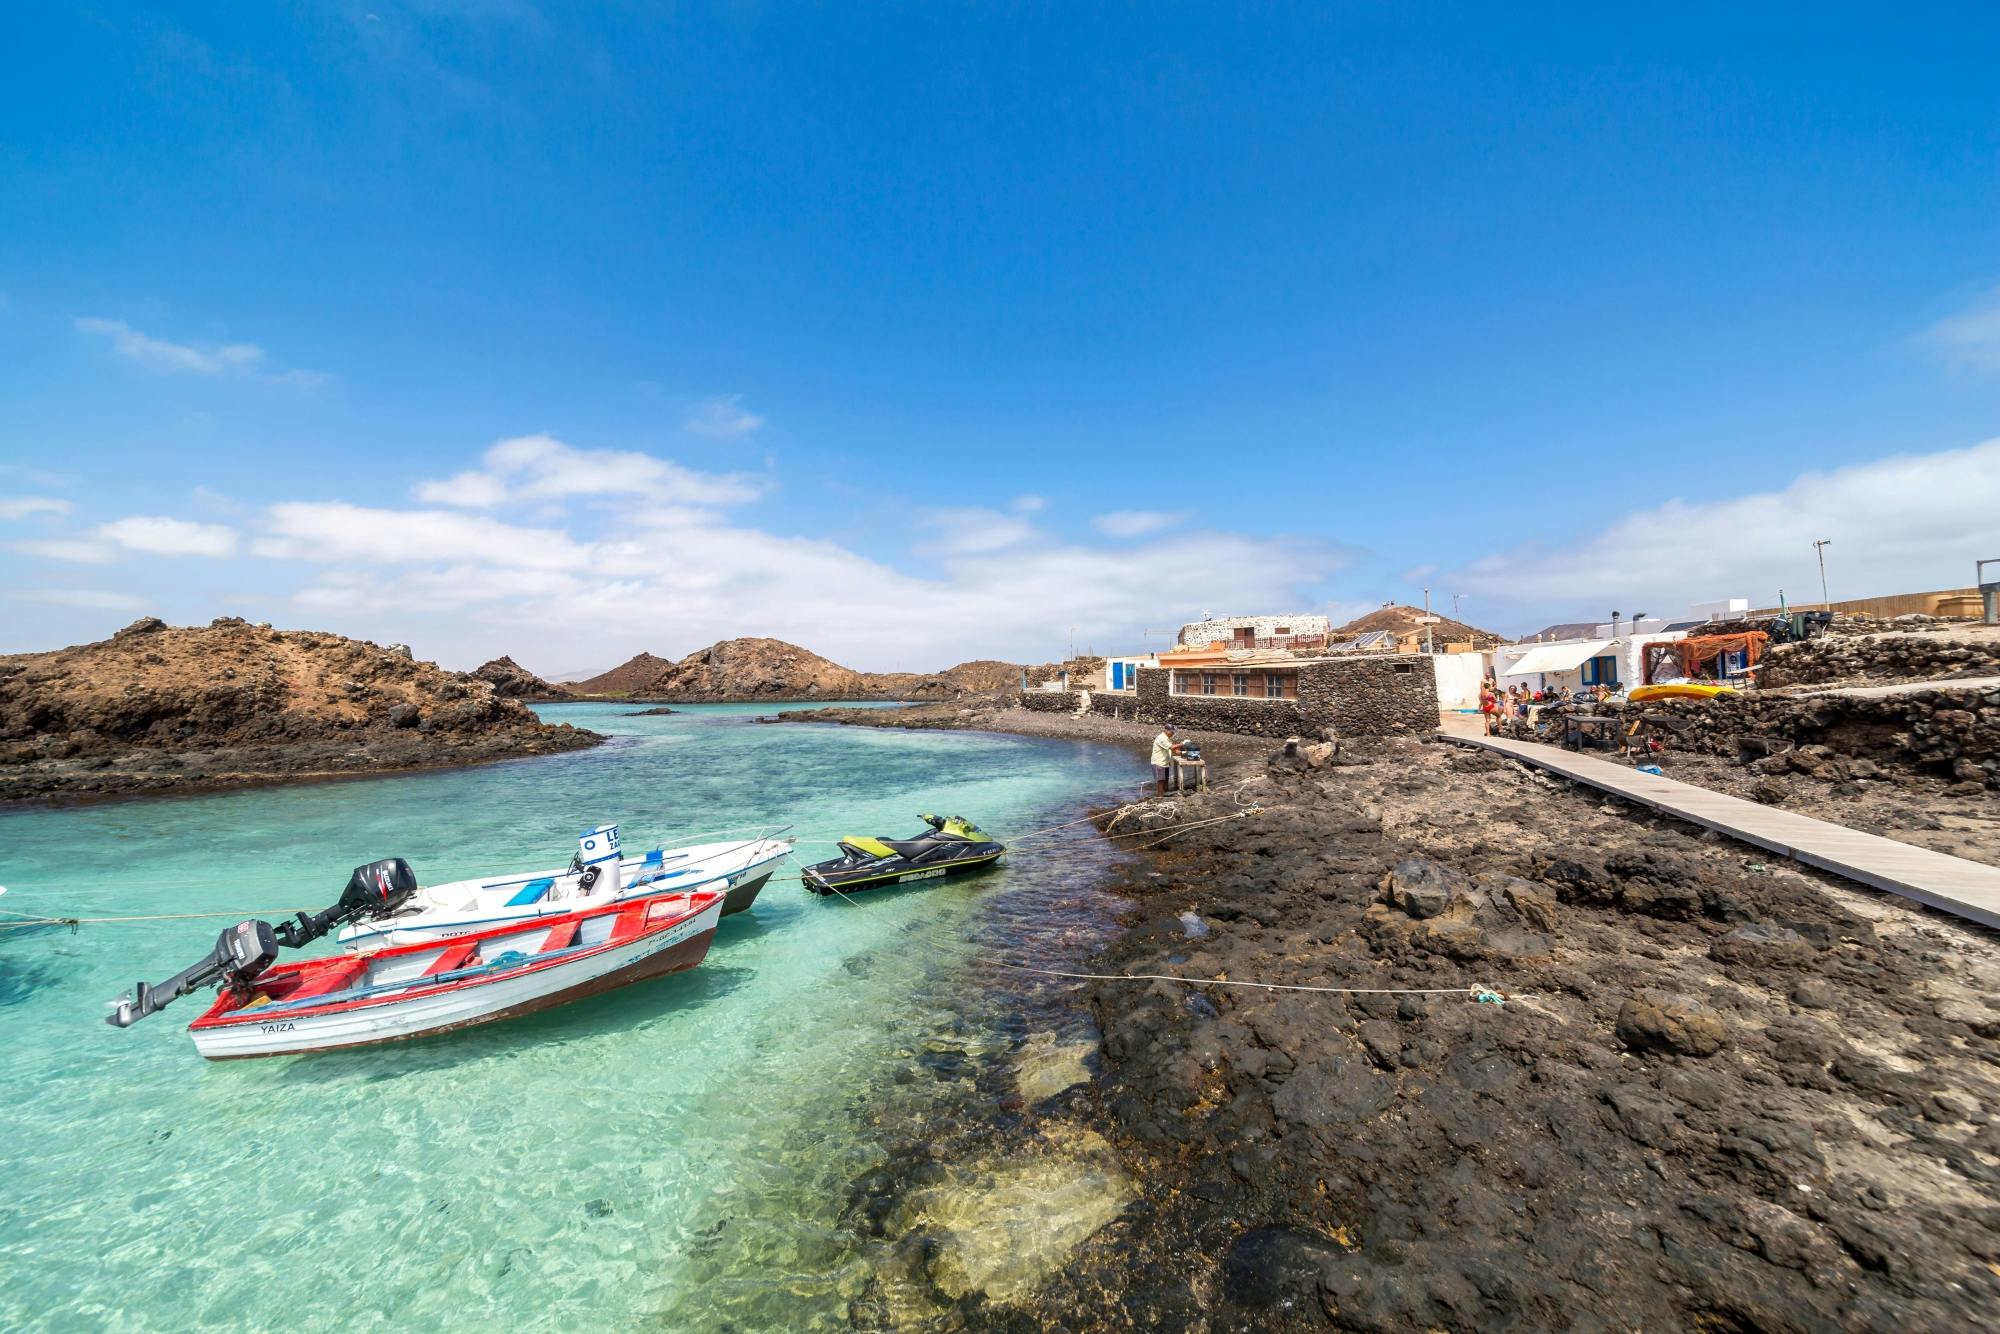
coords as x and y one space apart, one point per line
1577 728
1182 768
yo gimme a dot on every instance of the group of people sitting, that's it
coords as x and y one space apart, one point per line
1502 705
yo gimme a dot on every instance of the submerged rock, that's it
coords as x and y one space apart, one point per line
1002 1231
1047 1067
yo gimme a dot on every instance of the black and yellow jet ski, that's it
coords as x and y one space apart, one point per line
952 844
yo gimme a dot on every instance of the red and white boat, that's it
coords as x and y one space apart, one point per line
412 991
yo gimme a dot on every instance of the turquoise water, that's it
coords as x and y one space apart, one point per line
667 1156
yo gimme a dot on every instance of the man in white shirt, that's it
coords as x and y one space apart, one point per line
1165 750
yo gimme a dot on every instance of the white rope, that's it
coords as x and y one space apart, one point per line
1478 992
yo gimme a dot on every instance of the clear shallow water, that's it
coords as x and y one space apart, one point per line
671 1155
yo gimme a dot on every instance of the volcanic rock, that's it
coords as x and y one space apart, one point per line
157 707
1658 1021
512 681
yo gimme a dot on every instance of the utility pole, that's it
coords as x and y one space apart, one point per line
1430 644
1454 607
1072 645
1819 548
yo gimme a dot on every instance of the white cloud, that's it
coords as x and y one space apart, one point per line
158 354
1970 340
974 530
723 417
36 476
333 531
541 467
1907 523
1137 523
169 537
1030 504
20 507
92 553
82 597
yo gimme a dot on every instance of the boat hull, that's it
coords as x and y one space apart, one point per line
672 950
743 891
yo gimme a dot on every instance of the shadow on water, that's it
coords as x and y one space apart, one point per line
625 1009
22 978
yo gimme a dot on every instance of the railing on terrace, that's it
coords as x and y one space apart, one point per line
1289 641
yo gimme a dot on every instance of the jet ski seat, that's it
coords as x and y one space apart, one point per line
909 847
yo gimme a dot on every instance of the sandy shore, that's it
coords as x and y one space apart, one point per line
1727 1093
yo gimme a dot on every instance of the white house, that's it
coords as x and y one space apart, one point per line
1296 631
1121 673
1611 653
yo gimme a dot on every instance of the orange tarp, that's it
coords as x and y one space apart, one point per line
1696 651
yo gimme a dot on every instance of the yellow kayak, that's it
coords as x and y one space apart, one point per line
1679 690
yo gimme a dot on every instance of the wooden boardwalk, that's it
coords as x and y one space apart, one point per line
1969 889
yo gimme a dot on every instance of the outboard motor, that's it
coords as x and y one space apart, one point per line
240 954
245 950
374 890
599 862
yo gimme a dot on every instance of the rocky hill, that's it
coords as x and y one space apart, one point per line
156 707
511 680
629 678
771 669
1401 619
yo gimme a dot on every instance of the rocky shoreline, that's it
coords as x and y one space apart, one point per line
162 709
1723 1093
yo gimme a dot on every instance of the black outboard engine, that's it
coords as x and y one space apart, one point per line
374 890
245 950
240 954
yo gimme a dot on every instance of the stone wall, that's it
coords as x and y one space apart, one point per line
1894 657
1215 713
1379 694
1946 733
1373 695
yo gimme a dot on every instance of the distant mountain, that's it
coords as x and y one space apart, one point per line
631 677
771 669
1401 620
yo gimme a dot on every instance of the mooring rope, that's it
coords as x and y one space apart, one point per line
1478 993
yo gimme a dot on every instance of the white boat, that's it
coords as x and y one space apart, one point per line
599 874
417 990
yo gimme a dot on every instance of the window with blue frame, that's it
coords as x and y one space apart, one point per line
1601 671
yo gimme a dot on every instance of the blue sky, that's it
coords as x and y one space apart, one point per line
926 332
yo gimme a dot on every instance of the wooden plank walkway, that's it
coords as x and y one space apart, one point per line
1969 889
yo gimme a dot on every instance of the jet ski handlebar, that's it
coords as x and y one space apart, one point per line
248 948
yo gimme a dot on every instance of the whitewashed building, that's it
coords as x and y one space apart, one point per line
1609 653
1240 632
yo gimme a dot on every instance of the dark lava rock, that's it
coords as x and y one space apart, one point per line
1277 1267
1658 1021
1769 791
1762 945
402 715
1332 1090
1814 994
1422 887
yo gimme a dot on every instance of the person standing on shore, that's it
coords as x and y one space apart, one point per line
1166 748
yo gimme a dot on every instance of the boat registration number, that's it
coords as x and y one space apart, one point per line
925 875
283 1026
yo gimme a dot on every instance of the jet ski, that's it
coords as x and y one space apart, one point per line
952 844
